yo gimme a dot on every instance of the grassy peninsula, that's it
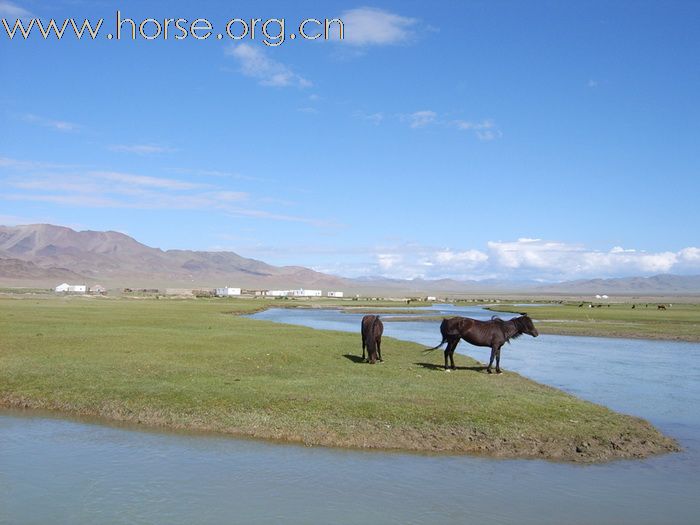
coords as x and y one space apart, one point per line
199 365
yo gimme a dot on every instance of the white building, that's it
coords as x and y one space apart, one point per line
294 293
227 292
335 294
306 293
278 293
71 288
431 298
98 289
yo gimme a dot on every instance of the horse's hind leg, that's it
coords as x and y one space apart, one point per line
498 360
448 353
379 350
493 354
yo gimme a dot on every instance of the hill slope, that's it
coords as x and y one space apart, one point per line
44 252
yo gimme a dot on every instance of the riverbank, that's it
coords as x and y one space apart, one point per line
198 365
677 322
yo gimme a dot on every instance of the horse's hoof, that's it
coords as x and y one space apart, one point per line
498 372
448 370
488 370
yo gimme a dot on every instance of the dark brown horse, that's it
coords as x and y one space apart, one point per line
494 333
372 330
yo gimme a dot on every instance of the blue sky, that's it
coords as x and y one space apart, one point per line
472 140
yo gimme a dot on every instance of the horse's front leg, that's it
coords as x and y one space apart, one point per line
363 349
493 354
452 357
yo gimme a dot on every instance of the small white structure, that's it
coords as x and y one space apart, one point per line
277 293
431 298
335 294
98 289
306 293
227 292
71 288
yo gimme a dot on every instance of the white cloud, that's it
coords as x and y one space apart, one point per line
7 162
11 11
141 180
484 130
140 149
255 63
58 125
368 26
387 261
81 188
468 257
691 255
420 119
556 260
374 118
522 259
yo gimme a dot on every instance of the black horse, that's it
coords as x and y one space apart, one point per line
494 333
372 330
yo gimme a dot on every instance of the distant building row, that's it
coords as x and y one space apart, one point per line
226 291
230 292
301 292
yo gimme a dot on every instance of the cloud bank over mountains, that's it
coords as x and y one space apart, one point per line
522 259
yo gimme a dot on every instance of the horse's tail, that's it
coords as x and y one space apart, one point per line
371 338
443 331
444 340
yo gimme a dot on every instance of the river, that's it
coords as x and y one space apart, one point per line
69 471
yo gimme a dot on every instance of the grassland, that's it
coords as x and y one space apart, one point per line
198 365
680 322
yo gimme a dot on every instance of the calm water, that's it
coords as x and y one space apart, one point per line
59 471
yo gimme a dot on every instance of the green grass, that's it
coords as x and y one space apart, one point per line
194 364
679 322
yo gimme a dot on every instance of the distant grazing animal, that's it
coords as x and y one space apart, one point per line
581 305
372 330
661 307
634 306
494 333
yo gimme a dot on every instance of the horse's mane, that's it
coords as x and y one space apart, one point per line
515 321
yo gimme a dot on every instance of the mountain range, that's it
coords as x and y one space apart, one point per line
45 255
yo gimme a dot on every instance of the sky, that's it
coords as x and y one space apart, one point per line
539 141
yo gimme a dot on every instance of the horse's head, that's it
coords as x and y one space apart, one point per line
527 326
